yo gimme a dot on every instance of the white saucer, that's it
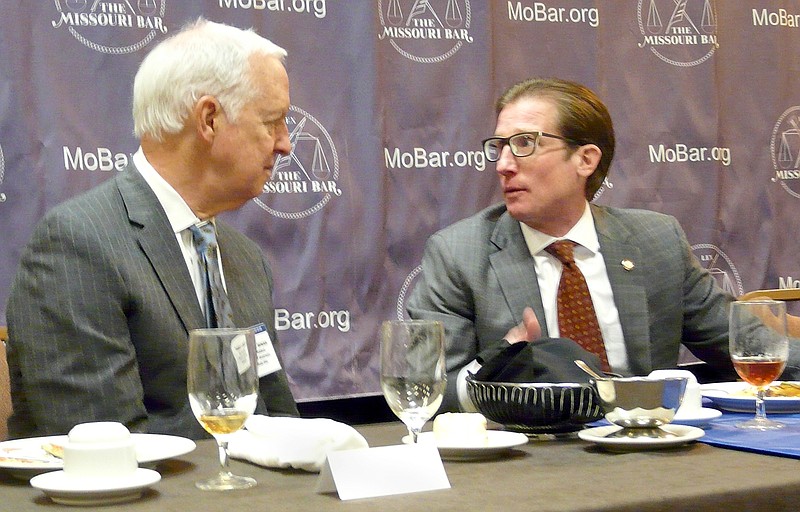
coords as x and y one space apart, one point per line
498 442
683 434
25 458
696 418
67 490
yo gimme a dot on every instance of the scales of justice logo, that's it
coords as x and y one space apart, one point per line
679 32
426 31
720 266
134 23
785 151
304 181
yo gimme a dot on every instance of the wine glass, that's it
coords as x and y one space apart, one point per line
223 390
413 376
759 348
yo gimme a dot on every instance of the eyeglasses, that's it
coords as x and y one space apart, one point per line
521 144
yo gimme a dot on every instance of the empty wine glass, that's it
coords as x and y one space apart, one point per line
223 390
759 348
413 376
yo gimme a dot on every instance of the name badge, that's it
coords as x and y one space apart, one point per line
265 353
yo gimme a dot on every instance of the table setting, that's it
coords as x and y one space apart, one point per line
543 428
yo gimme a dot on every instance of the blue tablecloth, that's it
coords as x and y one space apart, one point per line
722 432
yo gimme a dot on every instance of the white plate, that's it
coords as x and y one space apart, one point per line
720 394
683 434
498 442
696 419
67 490
27 455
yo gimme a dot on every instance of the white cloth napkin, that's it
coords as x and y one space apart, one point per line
300 443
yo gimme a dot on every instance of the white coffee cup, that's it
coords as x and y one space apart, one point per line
102 449
692 402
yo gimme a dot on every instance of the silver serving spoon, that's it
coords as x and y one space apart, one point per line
585 367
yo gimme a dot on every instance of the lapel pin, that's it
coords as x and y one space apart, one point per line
627 265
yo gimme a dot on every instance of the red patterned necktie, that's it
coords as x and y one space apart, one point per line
576 317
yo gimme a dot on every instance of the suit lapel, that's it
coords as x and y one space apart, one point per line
625 272
513 264
155 236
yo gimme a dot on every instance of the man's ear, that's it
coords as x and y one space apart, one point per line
206 113
589 158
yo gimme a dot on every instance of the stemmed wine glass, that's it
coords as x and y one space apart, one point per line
413 375
759 348
223 390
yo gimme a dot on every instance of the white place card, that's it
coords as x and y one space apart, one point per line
382 471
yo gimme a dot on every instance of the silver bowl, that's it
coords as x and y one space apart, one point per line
640 404
536 408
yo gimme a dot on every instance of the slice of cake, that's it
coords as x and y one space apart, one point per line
462 429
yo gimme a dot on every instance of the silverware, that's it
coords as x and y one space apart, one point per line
585 367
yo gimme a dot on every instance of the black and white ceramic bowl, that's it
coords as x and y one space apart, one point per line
536 408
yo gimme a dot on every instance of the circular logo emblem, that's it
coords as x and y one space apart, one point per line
425 31
132 23
407 287
720 266
607 185
679 32
784 148
305 180
2 174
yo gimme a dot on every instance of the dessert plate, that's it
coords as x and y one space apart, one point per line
26 457
698 418
498 442
683 434
68 490
724 395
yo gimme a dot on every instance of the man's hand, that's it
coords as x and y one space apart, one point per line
528 330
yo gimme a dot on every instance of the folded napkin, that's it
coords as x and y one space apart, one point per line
543 360
300 443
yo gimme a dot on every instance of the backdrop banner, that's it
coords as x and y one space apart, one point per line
390 100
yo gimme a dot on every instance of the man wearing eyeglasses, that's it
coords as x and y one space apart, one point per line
492 280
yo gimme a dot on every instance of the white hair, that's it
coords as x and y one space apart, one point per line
204 58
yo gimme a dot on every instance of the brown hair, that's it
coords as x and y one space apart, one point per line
582 118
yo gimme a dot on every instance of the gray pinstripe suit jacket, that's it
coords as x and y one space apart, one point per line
478 276
99 314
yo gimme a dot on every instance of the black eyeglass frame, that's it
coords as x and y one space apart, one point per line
506 141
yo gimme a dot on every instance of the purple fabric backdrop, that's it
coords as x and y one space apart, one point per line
390 99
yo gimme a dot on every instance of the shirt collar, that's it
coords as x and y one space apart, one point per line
583 233
179 214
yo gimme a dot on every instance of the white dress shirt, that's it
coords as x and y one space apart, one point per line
591 263
548 273
180 217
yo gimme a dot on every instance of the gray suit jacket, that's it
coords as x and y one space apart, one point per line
478 276
99 314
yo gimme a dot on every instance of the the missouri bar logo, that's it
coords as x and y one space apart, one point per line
425 31
785 151
720 266
679 32
112 26
304 181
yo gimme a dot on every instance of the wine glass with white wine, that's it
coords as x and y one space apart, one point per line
413 376
759 348
223 390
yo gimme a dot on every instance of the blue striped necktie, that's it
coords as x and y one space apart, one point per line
218 308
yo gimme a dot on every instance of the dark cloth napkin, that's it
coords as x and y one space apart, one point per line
543 360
